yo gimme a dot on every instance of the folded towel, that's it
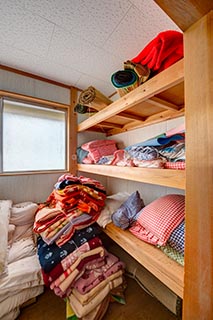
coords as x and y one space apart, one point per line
162 51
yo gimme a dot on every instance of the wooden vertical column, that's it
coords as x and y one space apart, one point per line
198 57
72 139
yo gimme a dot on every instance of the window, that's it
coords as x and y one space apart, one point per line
33 137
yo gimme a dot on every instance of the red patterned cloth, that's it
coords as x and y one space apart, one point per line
98 149
157 220
162 51
179 165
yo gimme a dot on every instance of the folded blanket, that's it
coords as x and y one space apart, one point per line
98 149
158 141
50 256
82 310
162 51
70 259
87 297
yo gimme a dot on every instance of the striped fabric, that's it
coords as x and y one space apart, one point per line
156 221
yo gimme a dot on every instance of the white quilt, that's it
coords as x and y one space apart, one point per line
5 211
22 274
13 302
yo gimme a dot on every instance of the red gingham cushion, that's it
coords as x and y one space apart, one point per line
158 219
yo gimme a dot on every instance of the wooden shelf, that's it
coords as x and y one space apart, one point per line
163 177
158 99
153 259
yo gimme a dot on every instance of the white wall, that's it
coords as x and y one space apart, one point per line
30 187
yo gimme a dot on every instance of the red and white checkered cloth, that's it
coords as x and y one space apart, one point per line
179 165
157 220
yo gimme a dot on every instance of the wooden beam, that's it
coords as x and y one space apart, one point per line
30 99
72 129
153 119
185 12
163 104
34 76
130 116
198 283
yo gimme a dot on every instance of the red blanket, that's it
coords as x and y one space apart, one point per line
162 51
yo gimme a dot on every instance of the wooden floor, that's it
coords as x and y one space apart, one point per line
139 305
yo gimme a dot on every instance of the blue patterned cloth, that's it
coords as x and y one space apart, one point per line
51 255
177 238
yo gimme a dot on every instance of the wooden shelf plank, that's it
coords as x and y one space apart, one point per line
168 78
153 259
164 177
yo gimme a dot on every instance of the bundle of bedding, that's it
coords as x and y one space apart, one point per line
73 260
74 204
96 149
20 275
166 150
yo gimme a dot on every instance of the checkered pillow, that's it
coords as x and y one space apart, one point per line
157 220
177 238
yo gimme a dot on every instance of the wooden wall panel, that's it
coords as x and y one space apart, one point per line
198 295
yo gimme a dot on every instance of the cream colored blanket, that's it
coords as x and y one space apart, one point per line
5 211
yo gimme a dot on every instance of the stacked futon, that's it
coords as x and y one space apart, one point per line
74 262
20 272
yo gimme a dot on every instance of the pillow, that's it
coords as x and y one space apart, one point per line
177 238
157 220
22 216
23 213
125 215
112 203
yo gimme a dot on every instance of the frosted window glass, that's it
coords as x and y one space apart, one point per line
34 138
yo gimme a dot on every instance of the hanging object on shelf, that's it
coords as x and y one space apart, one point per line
124 81
93 98
80 108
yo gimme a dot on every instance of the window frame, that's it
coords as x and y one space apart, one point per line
48 104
